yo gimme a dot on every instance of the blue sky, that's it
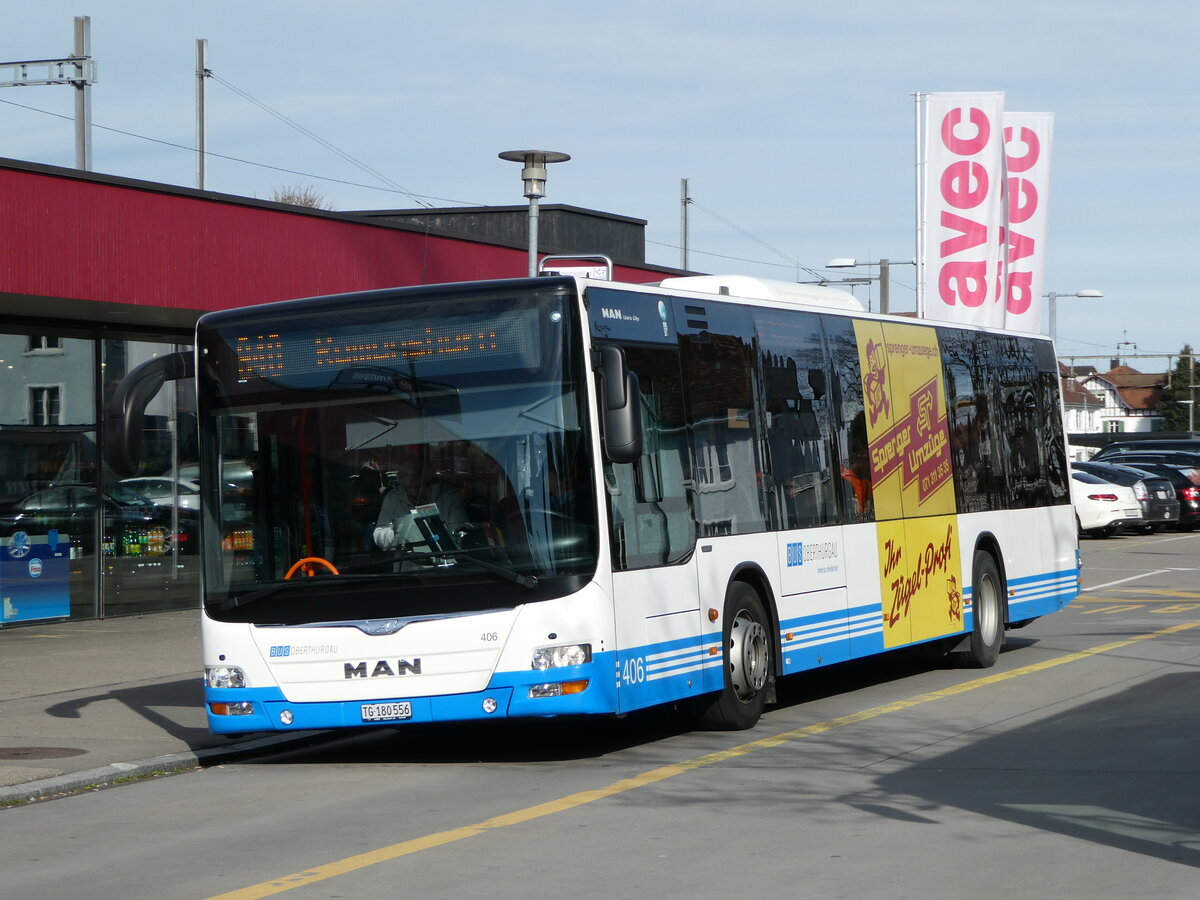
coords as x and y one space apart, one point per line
794 123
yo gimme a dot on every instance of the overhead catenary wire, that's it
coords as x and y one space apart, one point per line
246 162
354 161
792 262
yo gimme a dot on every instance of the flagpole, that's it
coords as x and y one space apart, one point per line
919 206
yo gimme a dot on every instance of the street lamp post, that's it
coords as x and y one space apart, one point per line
534 176
1052 307
885 275
1191 405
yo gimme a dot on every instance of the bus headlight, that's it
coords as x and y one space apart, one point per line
224 677
557 657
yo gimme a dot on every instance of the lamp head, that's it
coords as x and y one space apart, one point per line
534 173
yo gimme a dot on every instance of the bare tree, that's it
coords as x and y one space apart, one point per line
300 195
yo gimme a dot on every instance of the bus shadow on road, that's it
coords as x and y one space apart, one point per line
573 738
1120 772
176 708
501 741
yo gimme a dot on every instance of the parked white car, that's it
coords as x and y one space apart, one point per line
1101 507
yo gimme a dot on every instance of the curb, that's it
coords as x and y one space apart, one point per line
18 795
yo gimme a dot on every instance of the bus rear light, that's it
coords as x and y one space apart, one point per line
241 708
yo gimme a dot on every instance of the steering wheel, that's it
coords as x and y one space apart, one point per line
308 567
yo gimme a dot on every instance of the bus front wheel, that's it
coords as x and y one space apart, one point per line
987 603
748 654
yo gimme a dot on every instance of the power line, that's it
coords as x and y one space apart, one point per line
794 263
757 262
247 162
317 138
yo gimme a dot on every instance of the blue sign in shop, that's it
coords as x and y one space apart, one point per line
34 577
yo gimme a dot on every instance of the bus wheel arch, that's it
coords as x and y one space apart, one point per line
750 645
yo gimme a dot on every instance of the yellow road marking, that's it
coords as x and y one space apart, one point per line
653 776
1179 595
1108 610
1146 596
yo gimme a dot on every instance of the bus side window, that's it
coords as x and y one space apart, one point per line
796 398
718 370
1022 450
969 414
850 422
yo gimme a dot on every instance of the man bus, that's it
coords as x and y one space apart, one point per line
671 494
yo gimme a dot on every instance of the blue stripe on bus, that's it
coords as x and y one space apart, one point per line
1031 596
507 695
634 678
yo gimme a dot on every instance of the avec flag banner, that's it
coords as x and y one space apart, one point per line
962 247
1027 138
983 211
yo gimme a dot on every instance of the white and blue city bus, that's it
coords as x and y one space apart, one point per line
603 497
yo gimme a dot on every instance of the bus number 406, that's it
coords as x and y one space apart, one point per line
634 671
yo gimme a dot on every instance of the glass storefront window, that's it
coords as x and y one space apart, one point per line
48 474
76 541
150 520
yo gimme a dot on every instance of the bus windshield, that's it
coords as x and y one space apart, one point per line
395 454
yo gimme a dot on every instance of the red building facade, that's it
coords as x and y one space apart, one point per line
98 274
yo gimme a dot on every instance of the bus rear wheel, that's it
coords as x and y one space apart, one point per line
748 658
987 604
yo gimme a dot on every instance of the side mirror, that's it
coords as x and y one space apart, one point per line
124 421
621 409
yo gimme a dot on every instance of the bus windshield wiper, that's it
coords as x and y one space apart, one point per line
235 601
529 582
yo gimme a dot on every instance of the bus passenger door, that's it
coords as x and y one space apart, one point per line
652 534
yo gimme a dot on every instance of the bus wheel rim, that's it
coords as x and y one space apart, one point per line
749 655
988 610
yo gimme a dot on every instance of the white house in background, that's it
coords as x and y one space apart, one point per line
1121 400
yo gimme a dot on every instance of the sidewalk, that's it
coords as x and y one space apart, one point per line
87 703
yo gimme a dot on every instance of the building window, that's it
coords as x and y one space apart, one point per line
1114 425
45 405
41 343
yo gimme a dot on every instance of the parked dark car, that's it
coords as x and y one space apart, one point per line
1112 452
1155 493
132 525
1186 481
1137 457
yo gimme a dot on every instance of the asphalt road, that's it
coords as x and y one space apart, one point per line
1069 770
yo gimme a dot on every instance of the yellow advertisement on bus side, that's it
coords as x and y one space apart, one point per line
919 575
911 480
